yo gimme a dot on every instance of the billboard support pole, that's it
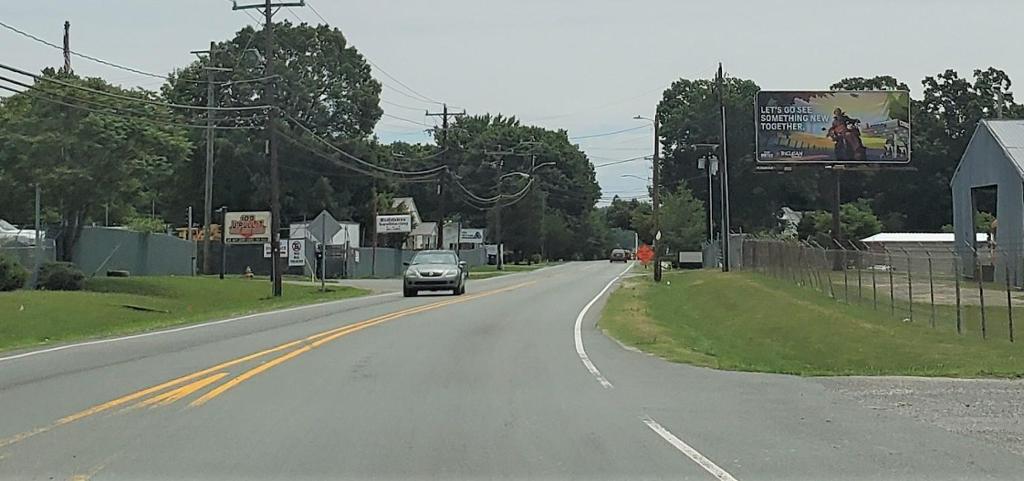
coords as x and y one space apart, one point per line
724 169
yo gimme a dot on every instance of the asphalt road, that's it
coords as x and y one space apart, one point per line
490 385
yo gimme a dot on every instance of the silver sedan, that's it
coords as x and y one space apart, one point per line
438 270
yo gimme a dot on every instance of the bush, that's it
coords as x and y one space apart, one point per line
12 274
60 276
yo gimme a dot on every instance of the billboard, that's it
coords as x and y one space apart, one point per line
833 127
247 227
394 224
471 236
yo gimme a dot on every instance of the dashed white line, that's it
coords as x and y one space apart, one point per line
580 351
693 454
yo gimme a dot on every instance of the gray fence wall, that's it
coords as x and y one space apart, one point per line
26 255
101 249
388 262
713 252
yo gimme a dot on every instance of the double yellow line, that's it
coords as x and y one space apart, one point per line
206 377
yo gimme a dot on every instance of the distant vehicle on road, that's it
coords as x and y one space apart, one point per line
13 235
439 270
618 255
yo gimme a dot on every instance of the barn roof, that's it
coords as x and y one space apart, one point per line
1010 135
916 237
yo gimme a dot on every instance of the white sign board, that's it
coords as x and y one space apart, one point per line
282 253
247 227
394 224
471 236
296 253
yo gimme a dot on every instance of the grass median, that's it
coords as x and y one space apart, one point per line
748 322
118 306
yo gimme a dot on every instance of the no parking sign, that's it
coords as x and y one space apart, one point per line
296 253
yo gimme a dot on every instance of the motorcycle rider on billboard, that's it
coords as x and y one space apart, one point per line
845 133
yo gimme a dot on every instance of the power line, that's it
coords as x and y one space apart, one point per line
371 165
90 57
422 97
624 161
125 97
316 12
405 119
578 137
393 104
113 114
94 103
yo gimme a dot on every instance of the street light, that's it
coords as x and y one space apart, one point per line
648 179
655 187
515 174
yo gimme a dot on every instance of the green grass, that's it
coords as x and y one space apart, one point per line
34 318
748 322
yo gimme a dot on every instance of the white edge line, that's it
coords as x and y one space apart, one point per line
188 327
580 351
693 454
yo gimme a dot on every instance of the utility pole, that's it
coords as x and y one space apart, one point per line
500 164
211 102
38 257
188 236
67 47
655 198
271 148
724 169
444 114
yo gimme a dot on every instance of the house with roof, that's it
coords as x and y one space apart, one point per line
993 160
424 234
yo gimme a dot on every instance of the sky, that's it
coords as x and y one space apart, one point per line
586 66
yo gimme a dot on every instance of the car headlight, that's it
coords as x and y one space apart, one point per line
411 273
451 273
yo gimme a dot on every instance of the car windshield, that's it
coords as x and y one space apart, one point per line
4 225
435 258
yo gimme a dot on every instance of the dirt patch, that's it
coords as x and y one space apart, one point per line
985 409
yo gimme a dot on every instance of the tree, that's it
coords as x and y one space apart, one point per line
689 115
82 158
682 218
856 221
566 187
325 84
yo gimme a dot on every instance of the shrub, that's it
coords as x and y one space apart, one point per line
60 276
12 274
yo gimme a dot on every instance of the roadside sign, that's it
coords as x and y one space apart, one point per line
282 253
645 254
296 253
394 224
471 236
247 227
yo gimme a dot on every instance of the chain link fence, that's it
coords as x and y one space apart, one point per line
975 291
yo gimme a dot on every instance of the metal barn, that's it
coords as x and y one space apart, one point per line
994 160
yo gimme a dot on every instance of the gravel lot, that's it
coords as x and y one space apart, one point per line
991 410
